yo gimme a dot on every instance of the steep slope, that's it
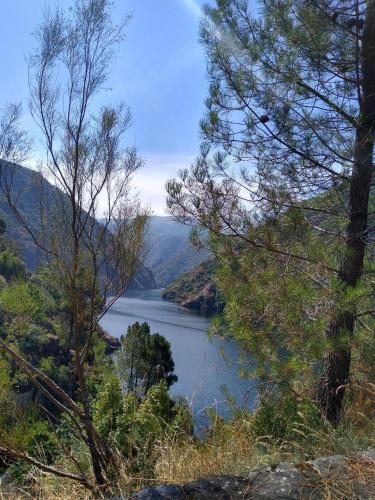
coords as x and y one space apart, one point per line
171 252
26 187
143 280
196 289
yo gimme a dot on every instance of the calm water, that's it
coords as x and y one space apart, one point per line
204 366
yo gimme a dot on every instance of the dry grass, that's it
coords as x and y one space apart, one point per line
44 487
358 477
231 448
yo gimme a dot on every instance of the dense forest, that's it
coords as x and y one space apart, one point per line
279 205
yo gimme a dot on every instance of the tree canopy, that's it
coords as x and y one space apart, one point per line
145 359
284 177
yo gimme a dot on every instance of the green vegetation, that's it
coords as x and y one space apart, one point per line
30 323
135 425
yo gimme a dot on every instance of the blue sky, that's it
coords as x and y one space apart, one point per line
160 73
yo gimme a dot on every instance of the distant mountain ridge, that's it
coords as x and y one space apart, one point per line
170 251
24 183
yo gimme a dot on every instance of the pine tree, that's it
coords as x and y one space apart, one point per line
289 132
145 359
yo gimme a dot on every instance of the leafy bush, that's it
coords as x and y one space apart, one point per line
34 437
24 299
11 266
135 424
286 418
31 340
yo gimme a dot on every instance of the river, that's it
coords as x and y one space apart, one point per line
207 369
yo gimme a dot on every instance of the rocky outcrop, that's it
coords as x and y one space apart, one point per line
143 280
330 477
205 300
111 343
196 289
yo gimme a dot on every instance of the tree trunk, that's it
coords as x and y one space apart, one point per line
340 332
149 377
130 383
93 448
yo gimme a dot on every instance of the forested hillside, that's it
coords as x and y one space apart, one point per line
29 190
197 289
27 187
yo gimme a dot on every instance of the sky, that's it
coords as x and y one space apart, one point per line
160 72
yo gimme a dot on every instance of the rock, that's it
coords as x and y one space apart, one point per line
309 480
367 455
221 487
196 289
144 279
111 343
326 466
205 301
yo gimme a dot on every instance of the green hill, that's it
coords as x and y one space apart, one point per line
27 186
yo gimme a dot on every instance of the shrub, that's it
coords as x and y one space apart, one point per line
286 418
135 424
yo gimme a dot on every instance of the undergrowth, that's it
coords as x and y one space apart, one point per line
293 434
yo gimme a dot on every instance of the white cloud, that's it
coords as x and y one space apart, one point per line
193 6
149 182
151 179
